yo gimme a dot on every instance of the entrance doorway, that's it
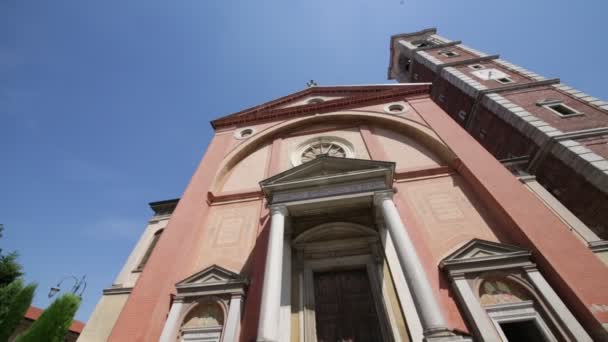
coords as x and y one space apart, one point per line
344 307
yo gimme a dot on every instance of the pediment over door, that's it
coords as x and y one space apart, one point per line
328 176
212 280
481 255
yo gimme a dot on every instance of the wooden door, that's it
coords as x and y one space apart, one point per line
344 307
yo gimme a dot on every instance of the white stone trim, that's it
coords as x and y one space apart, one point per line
403 291
232 325
440 38
574 223
296 154
591 166
517 312
427 305
271 291
471 50
463 82
479 258
579 95
172 323
428 60
474 311
285 309
524 72
238 134
556 304
404 108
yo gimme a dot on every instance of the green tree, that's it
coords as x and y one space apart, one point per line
16 308
10 269
53 324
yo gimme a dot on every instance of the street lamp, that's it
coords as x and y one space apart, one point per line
76 289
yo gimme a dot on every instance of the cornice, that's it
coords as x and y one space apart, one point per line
379 95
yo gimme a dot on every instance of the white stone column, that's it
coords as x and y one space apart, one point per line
427 305
478 317
233 321
544 289
285 310
172 323
271 291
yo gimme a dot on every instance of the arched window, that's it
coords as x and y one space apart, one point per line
506 297
146 256
501 291
204 322
514 311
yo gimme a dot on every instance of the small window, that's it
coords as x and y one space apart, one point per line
315 100
244 133
395 108
146 256
462 115
482 134
476 66
449 53
504 80
561 109
422 43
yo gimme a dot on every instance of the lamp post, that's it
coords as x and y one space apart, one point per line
76 289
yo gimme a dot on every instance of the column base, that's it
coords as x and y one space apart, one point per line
444 335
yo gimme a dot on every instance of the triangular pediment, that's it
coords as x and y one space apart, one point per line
333 98
327 176
211 275
478 249
324 166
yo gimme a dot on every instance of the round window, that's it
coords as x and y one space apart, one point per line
395 108
322 146
315 100
244 133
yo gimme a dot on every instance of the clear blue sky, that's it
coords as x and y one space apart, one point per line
104 105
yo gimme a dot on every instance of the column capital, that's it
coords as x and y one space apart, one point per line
383 195
278 209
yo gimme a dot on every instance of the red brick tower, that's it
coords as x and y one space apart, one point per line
540 128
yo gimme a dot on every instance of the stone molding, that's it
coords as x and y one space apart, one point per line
117 291
360 95
477 258
213 280
592 167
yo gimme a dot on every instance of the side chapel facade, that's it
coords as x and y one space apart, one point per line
354 213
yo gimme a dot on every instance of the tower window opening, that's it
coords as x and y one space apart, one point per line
315 100
449 53
504 80
561 109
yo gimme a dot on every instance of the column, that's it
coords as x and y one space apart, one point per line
424 297
544 289
271 290
233 321
172 323
478 317
285 310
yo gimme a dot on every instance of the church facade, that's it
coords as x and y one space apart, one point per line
355 213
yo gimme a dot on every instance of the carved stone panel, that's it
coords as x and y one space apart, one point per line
447 212
230 234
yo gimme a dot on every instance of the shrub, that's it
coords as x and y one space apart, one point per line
17 307
53 324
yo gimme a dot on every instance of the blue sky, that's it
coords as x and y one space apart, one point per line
104 105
